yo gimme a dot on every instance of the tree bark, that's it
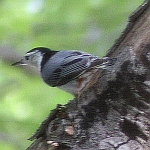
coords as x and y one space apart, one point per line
115 112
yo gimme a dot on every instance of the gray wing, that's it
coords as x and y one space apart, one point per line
73 66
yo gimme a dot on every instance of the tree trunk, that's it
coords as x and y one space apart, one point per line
115 112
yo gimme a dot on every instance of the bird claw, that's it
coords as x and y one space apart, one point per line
53 143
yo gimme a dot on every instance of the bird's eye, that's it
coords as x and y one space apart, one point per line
27 57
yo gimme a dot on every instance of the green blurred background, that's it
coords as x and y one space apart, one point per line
88 25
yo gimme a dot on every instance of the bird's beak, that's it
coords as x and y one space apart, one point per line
21 62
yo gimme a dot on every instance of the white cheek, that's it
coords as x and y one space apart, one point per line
35 60
39 62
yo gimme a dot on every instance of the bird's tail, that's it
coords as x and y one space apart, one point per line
106 62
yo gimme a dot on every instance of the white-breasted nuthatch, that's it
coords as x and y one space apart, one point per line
71 70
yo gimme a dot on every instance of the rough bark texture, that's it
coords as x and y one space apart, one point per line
115 112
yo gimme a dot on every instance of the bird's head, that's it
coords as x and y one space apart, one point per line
36 57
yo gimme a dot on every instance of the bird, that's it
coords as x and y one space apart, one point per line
73 71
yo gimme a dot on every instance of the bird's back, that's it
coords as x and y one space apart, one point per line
66 65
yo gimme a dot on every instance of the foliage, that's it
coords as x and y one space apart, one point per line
89 25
